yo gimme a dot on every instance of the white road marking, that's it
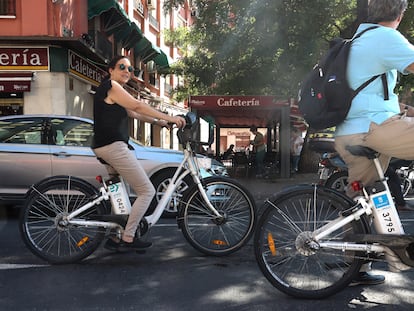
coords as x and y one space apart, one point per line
10 266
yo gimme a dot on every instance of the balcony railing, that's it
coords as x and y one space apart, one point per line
153 21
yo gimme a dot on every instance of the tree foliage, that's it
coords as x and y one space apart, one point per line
261 47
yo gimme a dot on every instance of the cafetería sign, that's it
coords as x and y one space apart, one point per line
235 110
22 58
17 65
84 69
233 102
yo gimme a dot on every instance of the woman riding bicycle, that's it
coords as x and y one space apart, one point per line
113 106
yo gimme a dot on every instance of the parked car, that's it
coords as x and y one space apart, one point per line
33 147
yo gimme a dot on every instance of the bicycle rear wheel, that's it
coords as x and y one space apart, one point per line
283 254
42 220
212 235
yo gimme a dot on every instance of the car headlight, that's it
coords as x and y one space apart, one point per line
218 169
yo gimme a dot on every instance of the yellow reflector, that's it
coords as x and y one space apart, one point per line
219 242
271 243
82 241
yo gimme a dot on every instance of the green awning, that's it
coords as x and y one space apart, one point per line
162 60
146 50
116 20
97 7
131 37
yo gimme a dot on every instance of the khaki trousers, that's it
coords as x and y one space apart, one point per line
392 138
122 161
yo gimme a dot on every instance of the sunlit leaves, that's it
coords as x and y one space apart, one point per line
263 47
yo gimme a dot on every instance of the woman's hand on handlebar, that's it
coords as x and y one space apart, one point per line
163 123
178 121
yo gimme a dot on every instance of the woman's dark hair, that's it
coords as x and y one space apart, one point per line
112 64
385 10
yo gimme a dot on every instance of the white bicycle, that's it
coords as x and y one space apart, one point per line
65 218
311 240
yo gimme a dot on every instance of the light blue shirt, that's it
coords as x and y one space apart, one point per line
377 51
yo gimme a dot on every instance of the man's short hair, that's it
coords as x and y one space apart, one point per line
385 10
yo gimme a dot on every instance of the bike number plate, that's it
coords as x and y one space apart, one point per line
323 173
386 219
381 201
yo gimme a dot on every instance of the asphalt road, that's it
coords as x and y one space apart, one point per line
173 276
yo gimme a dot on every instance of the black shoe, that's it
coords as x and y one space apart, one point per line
111 245
364 278
136 245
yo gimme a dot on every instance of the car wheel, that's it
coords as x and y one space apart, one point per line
338 181
161 182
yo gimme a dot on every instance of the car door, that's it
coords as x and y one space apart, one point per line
24 154
71 152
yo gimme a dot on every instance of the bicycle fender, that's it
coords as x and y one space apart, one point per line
59 178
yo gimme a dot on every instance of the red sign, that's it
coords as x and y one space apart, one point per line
15 58
14 86
15 82
230 102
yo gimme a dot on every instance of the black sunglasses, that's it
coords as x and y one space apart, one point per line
122 67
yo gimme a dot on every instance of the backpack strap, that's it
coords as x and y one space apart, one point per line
362 32
385 86
383 76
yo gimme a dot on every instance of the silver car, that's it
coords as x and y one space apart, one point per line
33 147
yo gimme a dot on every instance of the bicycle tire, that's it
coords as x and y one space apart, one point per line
204 231
282 253
40 220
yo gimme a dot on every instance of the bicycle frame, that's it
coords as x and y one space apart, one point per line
366 207
182 171
189 165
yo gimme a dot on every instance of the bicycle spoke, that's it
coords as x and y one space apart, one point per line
214 235
284 247
43 225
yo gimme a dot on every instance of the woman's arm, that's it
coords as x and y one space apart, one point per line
117 94
147 119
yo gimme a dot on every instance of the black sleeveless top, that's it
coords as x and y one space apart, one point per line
110 120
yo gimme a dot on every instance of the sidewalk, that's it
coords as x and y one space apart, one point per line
264 188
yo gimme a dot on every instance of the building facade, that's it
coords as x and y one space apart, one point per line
53 54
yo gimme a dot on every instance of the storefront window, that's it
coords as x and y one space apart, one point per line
11 104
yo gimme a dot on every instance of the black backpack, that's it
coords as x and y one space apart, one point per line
325 96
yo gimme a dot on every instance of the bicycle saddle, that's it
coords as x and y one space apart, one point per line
362 151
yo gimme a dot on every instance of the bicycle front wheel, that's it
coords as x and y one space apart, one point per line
42 220
208 233
285 251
